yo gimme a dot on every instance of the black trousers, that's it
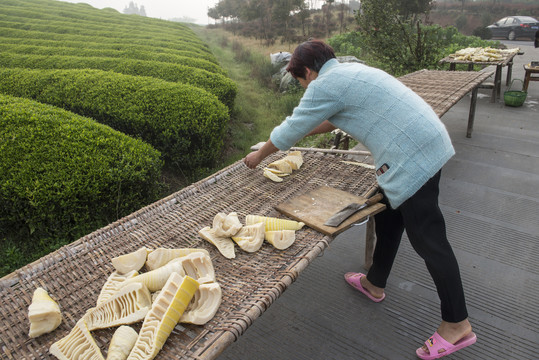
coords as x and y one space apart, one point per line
424 223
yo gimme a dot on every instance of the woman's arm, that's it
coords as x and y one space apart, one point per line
323 128
254 158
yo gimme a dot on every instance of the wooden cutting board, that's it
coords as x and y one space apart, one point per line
315 207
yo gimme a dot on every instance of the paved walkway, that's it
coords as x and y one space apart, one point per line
490 199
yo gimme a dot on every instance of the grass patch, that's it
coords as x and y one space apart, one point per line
259 107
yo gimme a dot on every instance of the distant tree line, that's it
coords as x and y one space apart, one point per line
292 20
133 8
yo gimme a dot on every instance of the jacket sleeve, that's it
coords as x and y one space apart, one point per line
315 106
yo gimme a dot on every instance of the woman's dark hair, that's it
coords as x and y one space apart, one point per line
312 54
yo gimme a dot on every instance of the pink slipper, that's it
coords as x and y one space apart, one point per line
353 279
435 343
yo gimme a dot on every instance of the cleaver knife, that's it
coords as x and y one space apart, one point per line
349 210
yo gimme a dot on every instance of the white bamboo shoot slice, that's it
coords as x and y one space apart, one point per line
129 262
129 305
43 313
273 223
199 267
251 237
165 313
113 284
160 257
157 278
273 177
295 159
281 165
204 305
225 245
78 344
226 225
281 239
122 342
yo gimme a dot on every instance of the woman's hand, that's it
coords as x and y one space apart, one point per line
252 159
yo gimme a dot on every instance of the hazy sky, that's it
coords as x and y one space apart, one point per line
163 9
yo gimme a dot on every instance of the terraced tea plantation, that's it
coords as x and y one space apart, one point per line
93 104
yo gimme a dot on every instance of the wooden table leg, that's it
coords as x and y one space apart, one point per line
471 116
509 73
526 80
370 241
497 83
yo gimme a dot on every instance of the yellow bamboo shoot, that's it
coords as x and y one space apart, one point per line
163 317
273 224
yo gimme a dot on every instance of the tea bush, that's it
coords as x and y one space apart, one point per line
132 51
217 84
25 31
185 123
83 51
62 176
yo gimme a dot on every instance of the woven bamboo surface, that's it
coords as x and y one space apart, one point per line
74 274
443 89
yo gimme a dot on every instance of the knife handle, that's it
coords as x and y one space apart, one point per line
373 200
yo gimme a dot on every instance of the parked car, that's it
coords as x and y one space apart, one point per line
512 27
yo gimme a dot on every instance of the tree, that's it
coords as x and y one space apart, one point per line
133 8
392 31
327 15
283 10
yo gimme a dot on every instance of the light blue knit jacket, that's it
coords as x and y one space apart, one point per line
397 126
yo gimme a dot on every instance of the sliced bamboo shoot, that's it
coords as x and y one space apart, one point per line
199 267
43 313
129 262
295 159
78 344
121 343
157 278
225 245
251 237
113 284
226 225
281 165
281 239
163 317
273 223
129 305
160 257
273 177
204 305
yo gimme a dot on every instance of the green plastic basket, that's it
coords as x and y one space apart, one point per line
514 97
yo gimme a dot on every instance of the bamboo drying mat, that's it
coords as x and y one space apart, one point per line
75 273
443 89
